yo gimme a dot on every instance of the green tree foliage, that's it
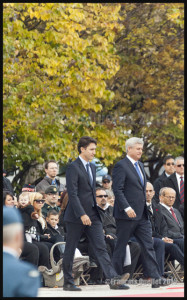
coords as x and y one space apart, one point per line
63 79
56 58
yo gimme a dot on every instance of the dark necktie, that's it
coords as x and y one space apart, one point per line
88 171
138 171
181 190
173 214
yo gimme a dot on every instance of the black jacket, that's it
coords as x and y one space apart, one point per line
157 186
171 182
52 231
108 221
159 225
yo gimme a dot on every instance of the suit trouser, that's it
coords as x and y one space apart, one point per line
142 230
175 252
96 239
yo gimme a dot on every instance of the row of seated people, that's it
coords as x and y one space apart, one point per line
44 227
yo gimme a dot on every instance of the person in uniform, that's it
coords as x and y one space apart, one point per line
20 279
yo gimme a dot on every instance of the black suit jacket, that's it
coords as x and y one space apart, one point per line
157 186
171 182
128 190
81 195
159 225
174 231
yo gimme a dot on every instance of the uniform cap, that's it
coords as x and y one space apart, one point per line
52 189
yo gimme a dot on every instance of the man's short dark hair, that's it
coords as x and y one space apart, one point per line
52 212
47 163
85 141
100 189
166 158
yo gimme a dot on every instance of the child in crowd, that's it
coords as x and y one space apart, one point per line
27 212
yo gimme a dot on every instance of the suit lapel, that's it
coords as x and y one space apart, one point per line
134 170
169 214
84 170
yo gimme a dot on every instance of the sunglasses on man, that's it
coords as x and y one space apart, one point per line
101 196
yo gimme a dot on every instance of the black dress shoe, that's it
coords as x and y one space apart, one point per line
156 283
71 287
119 287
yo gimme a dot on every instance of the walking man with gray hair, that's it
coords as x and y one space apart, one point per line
130 210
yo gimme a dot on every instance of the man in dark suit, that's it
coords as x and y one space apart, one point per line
81 215
176 181
169 169
20 279
159 231
173 218
130 210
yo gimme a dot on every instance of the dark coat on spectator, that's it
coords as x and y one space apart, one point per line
157 184
174 230
171 182
52 231
159 225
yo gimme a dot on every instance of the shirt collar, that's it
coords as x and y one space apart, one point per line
167 174
83 161
179 176
166 206
106 206
131 159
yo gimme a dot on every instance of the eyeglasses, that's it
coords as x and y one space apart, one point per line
170 197
101 196
180 165
39 201
106 181
170 164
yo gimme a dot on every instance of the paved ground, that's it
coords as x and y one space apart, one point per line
136 290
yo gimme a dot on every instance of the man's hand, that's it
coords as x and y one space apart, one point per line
86 220
167 240
109 236
48 235
131 213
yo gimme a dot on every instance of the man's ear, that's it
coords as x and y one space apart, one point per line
47 219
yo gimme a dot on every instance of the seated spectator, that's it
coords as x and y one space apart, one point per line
159 232
37 227
173 218
107 182
28 188
111 197
51 170
8 198
109 226
176 181
6 183
51 199
168 163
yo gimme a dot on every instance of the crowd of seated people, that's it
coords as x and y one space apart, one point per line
42 208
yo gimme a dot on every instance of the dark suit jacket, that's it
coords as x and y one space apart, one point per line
174 231
81 195
128 190
171 182
157 186
159 225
